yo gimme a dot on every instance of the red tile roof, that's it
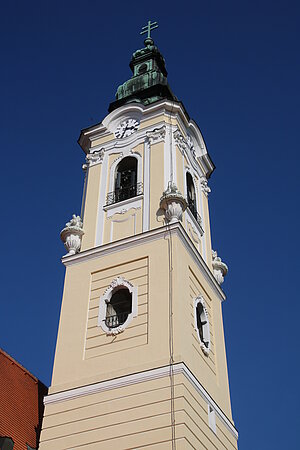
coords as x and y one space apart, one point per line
21 403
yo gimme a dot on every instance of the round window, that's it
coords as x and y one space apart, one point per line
142 68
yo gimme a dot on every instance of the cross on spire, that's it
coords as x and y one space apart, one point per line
148 28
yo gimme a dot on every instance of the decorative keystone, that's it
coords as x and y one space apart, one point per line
220 268
173 203
72 234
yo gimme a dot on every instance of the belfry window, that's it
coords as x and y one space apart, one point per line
191 199
202 324
191 194
126 179
118 308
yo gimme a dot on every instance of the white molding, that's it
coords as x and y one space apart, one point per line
146 190
100 214
204 185
112 170
115 285
119 115
124 206
191 221
138 137
173 110
167 158
196 175
157 135
187 148
142 377
122 219
204 243
195 225
141 239
173 156
96 156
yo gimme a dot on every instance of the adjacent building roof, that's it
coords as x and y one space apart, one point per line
21 405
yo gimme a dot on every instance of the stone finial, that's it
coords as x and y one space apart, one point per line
219 267
173 203
72 234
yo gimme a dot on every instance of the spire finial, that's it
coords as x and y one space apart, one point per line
147 29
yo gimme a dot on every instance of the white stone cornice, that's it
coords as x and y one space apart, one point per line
207 164
141 239
180 141
133 140
166 108
142 377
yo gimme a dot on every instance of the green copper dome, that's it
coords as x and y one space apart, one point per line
148 83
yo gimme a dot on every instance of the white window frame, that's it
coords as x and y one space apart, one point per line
115 285
205 328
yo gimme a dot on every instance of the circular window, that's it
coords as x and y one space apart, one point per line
142 68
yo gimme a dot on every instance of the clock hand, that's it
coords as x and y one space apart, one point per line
124 131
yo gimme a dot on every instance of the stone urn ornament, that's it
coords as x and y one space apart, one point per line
173 203
219 267
72 234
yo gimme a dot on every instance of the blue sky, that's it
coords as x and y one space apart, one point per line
235 65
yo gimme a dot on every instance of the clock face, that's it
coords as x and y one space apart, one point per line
126 128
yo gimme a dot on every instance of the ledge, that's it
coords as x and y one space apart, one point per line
142 377
123 203
145 237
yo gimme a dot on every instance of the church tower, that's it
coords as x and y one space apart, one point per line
140 359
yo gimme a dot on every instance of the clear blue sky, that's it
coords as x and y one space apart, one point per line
235 65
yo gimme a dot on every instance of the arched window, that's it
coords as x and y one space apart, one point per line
191 194
118 308
126 179
202 324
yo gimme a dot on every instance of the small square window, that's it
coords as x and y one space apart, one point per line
212 419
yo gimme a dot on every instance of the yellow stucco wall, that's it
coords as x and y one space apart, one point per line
168 274
91 210
92 356
97 343
135 416
156 183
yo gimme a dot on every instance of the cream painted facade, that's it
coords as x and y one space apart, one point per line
152 384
